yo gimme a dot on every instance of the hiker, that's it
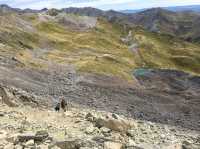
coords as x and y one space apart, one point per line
63 104
57 107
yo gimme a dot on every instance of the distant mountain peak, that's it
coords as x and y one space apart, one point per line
4 6
187 8
157 10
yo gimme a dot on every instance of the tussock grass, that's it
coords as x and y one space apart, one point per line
99 49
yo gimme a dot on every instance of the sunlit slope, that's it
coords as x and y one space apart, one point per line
37 39
97 50
163 51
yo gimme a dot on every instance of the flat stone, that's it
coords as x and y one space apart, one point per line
7 97
13 138
144 146
113 124
48 141
189 145
131 142
67 144
112 145
3 134
18 146
173 146
26 137
89 117
30 143
42 146
41 135
9 146
2 114
89 130
114 116
105 130
131 133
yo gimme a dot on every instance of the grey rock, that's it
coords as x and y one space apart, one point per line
2 114
105 130
113 124
13 139
18 146
67 144
173 146
189 145
30 143
42 146
41 135
9 146
131 133
113 145
7 97
90 130
89 117
143 146
100 140
26 137
114 116
130 143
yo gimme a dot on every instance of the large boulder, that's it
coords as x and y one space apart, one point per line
73 143
7 97
119 125
3 134
30 143
112 145
144 146
26 137
9 146
40 136
67 144
189 145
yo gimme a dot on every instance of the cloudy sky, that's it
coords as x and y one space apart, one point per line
101 4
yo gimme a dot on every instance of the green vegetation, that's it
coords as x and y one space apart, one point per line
167 52
99 49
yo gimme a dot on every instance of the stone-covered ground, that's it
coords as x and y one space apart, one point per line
39 128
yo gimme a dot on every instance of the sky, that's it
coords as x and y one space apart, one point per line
101 4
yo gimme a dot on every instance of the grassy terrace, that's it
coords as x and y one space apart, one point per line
97 50
163 51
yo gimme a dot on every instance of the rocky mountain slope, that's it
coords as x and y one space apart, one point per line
104 61
183 24
28 127
179 24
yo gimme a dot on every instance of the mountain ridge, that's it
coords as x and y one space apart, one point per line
194 8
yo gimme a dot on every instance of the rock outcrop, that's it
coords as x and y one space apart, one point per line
7 97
